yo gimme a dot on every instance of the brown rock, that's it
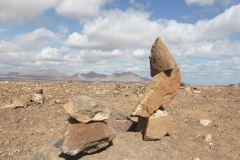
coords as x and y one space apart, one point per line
160 92
48 98
158 126
119 121
85 138
160 58
85 109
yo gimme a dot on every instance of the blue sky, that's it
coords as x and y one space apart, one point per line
109 36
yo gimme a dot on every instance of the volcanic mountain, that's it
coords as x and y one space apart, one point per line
123 77
54 75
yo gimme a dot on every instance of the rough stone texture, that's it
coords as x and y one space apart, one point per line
158 126
119 121
47 152
205 122
160 92
85 109
160 58
86 138
37 98
143 122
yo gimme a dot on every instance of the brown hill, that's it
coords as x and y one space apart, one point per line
54 75
122 77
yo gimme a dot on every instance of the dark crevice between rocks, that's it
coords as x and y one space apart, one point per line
80 155
168 72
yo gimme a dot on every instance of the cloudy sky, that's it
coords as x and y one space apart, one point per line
109 36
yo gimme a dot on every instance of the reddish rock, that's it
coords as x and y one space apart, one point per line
85 138
160 58
119 121
85 109
160 92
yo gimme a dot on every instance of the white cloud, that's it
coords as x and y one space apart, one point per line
212 72
139 6
133 30
83 9
37 39
214 49
201 2
116 30
16 11
224 24
141 53
98 55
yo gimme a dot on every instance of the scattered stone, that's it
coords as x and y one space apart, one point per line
39 91
70 81
197 92
119 121
48 98
78 137
208 138
160 92
57 101
8 107
159 125
47 152
187 89
160 58
85 109
37 98
205 122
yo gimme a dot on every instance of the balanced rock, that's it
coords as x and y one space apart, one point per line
120 122
78 137
160 58
160 92
85 109
159 124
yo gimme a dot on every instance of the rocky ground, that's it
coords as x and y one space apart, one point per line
24 130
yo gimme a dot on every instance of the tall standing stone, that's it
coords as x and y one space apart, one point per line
160 92
160 58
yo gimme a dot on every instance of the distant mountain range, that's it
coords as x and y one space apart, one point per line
54 75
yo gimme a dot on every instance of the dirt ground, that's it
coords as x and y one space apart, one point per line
24 130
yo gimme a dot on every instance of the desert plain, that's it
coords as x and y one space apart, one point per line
25 130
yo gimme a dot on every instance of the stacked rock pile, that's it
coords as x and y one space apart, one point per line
153 121
85 130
